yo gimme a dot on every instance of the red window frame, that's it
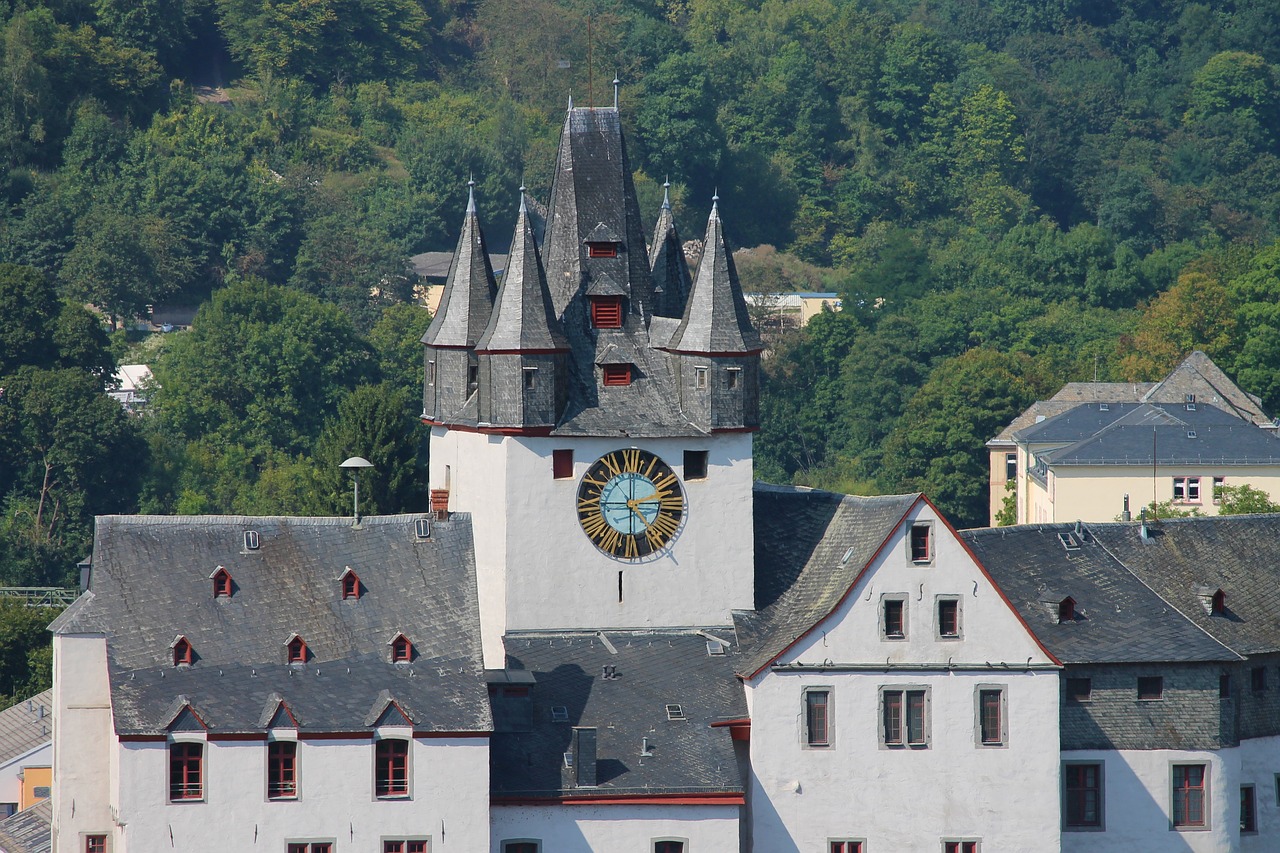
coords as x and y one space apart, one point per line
183 653
1066 611
904 718
990 717
817 717
311 847
297 650
404 846
606 312
222 584
391 768
186 771
350 586
920 551
95 844
401 649
282 770
960 847
1082 787
948 618
846 847
1189 794
895 622
602 250
617 374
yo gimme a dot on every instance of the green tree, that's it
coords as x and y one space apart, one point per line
397 341
27 303
1243 500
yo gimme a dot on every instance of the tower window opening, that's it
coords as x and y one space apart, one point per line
606 312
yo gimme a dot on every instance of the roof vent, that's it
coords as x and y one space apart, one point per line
559 714
1212 599
609 672
1104 407
715 648
1191 399
251 540
1069 541
1066 611
675 712
1191 433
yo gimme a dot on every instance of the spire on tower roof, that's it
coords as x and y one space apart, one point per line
469 291
671 281
523 317
715 320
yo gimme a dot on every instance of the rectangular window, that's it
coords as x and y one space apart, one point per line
391 768
731 377
95 844
1224 686
530 378
186 764
1011 466
904 719
602 250
520 847
844 845
1218 483
404 845
473 377
920 543
282 770
817 717
949 846
948 618
431 372
1079 689
606 312
617 374
699 377
310 847
668 846
991 716
562 464
1150 687
1082 794
1186 489
1258 679
695 464
893 622
1188 795
1248 809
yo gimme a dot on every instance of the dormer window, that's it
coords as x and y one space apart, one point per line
222 586
351 588
617 374
296 650
183 653
1066 610
602 250
251 540
1219 603
606 312
401 649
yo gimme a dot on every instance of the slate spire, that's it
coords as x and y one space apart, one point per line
469 291
671 281
715 319
523 318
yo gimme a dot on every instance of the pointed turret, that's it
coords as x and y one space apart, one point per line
716 347
523 351
671 281
464 311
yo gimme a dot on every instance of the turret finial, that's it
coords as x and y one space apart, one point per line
571 103
471 194
666 193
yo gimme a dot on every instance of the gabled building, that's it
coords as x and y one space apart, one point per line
1094 447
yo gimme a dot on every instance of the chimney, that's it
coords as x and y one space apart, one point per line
1125 515
584 757
440 503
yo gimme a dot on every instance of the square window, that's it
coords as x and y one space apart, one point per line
893 622
1189 788
1186 489
1079 689
562 464
948 618
95 844
904 717
606 312
1150 687
391 768
844 845
695 464
1218 484
991 716
817 717
617 374
921 550
1082 795
282 770
186 776
1248 809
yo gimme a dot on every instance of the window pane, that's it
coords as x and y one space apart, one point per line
893 626
184 771
1248 811
1083 794
920 542
392 759
282 770
915 716
948 618
816 717
1188 795
990 716
893 716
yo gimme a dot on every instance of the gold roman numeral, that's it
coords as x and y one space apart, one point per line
611 464
629 550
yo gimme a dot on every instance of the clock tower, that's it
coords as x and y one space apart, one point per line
593 411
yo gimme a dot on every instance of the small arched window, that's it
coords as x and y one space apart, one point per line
183 653
296 650
222 584
1219 605
401 649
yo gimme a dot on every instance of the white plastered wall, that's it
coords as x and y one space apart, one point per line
623 828
449 803
538 570
909 799
1096 493
1137 803
1259 766
11 773
83 764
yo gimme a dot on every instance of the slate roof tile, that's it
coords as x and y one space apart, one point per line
25 726
28 831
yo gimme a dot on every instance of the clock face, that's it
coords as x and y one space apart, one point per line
630 504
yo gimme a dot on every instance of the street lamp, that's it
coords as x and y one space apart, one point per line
354 464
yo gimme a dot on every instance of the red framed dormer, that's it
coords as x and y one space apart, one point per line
223 584
401 649
295 650
184 654
350 584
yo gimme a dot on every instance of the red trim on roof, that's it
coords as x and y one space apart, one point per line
741 721
543 351
622 800
142 738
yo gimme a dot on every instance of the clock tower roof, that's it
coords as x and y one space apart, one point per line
469 291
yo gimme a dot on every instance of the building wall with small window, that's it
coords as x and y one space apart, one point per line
83 761
560 579
1113 714
448 786
1256 695
904 723
1260 768
584 827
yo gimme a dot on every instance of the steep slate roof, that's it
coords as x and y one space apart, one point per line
671 281
1119 619
715 318
1197 374
654 669
802 537
469 291
1234 553
1069 397
150 583
28 831
26 726
523 318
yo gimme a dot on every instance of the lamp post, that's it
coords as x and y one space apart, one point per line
354 465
